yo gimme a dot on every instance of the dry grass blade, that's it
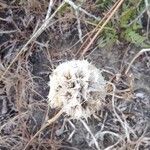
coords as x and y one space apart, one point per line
95 29
49 9
72 4
49 122
124 125
7 32
33 37
101 28
88 129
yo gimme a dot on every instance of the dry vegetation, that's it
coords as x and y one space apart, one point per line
37 35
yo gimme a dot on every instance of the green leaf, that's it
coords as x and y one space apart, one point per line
135 38
126 16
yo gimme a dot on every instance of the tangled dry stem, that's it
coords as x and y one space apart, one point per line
24 86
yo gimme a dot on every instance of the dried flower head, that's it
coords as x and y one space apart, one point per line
78 87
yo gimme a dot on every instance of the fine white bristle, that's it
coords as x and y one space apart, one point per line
78 87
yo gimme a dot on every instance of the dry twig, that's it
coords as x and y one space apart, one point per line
135 57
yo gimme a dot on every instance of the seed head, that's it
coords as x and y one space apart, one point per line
78 87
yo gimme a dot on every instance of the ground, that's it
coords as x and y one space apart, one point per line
122 123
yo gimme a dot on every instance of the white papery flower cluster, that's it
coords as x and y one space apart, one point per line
78 87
